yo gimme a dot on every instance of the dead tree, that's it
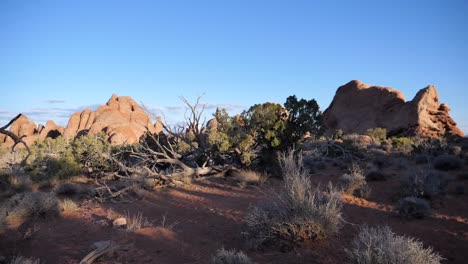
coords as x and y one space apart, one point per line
16 139
159 150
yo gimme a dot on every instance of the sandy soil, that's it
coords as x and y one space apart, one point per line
190 223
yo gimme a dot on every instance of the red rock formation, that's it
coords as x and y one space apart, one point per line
22 127
121 118
358 107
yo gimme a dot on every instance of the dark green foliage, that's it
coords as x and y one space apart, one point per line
412 207
267 122
403 144
303 116
92 151
377 134
447 162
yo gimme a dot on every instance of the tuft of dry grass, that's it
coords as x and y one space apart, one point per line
137 221
354 182
250 177
230 257
69 205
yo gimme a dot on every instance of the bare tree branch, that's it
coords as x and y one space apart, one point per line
16 139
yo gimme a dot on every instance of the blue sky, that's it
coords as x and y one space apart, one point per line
57 57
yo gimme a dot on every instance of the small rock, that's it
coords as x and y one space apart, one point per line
119 222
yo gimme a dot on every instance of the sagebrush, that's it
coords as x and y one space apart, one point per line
230 257
380 245
298 212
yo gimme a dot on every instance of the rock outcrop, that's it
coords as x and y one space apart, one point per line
358 107
121 118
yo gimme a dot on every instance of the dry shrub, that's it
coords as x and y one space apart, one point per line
26 206
447 162
251 177
137 222
24 260
298 212
11 182
69 205
424 183
230 257
381 246
354 182
412 207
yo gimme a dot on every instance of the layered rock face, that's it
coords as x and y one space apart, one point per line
121 118
358 107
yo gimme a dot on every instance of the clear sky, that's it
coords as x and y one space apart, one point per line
57 57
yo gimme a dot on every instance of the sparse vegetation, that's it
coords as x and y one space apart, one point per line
377 134
381 246
424 183
298 212
136 222
354 182
403 144
26 206
251 177
230 257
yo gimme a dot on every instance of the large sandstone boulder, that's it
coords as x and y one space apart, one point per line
121 118
23 128
358 107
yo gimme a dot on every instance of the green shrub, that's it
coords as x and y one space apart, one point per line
298 212
412 207
402 144
447 162
230 257
377 134
92 152
381 246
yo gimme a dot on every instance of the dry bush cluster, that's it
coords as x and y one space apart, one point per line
230 257
298 212
424 183
27 206
354 182
381 246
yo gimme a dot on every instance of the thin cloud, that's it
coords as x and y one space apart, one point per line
55 101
